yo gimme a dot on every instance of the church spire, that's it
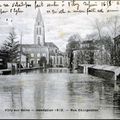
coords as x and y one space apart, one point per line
39 17
39 30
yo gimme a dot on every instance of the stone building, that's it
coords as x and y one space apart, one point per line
42 53
3 62
91 52
85 55
116 56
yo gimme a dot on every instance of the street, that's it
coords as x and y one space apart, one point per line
56 93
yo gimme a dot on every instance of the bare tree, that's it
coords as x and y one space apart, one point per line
73 44
113 24
92 36
98 26
104 31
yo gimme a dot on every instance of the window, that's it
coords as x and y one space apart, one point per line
55 50
40 30
38 61
38 40
60 60
54 60
44 54
38 55
57 60
32 55
37 30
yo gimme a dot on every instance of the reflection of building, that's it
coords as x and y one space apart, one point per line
15 96
41 52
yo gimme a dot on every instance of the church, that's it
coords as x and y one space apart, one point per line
42 53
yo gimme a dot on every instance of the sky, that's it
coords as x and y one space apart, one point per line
58 27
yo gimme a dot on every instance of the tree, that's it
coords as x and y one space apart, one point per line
107 51
11 47
73 44
114 30
80 57
92 36
43 61
99 26
106 30
113 24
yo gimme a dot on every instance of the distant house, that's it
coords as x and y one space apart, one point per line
88 48
87 44
58 59
91 52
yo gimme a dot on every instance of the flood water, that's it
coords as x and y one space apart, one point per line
57 93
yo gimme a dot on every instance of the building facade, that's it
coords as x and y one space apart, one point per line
116 54
91 52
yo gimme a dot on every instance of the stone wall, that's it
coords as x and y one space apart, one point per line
108 75
80 69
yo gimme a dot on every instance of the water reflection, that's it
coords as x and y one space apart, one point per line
116 100
39 97
15 95
57 70
58 89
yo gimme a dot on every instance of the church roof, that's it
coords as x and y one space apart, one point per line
50 44
59 53
29 45
32 46
47 44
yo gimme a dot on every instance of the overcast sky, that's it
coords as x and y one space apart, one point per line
58 27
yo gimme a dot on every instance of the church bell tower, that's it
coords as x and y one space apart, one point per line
39 30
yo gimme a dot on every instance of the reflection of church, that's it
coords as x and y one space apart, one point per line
41 52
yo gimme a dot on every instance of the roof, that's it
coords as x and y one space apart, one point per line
29 45
52 53
27 48
87 42
23 53
58 53
50 44
117 37
32 46
47 44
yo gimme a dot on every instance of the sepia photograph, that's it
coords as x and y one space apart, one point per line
59 59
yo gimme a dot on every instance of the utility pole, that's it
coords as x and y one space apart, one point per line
20 52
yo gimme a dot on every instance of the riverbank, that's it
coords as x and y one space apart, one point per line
103 71
9 71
